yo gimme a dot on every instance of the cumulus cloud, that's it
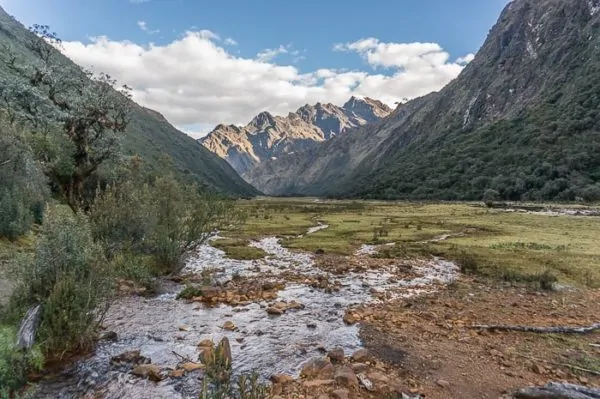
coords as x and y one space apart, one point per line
195 82
466 59
230 42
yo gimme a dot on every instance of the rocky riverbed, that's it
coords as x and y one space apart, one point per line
278 313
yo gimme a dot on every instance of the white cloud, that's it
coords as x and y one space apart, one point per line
270 53
230 42
466 59
194 81
144 26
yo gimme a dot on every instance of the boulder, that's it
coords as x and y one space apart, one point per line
149 371
345 377
133 357
313 367
281 378
275 311
336 355
340 394
361 356
229 326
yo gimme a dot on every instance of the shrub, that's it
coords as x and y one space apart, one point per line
489 196
69 278
467 263
15 363
22 185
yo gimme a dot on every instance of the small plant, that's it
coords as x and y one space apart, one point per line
467 263
189 292
546 280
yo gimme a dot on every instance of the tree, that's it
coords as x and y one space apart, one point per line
87 110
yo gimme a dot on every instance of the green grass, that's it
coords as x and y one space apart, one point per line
503 245
238 249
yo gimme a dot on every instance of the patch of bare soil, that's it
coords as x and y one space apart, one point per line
429 340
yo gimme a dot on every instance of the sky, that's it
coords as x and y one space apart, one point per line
205 62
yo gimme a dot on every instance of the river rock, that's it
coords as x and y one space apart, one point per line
275 311
229 326
281 378
132 357
340 394
361 356
365 382
177 373
184 328
149 371
109 336
344 376
336 355
317 383
351 318
443 383
313 367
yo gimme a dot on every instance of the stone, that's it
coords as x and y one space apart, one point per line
311 368
359 367
351 318
184 328
365 382
229 326
336 355
345 377
326 372
149 371
340 394
312 326
191 366
109 336
361 356
281 378
538 368
130 357
443 383
317 383
177 373
275 311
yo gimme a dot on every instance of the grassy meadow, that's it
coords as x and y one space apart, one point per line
510 246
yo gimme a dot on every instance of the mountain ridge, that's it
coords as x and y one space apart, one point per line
519 120
269 136
149 134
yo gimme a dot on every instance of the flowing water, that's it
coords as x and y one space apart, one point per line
166 329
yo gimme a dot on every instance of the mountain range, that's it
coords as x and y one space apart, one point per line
148 135
521 121
268 137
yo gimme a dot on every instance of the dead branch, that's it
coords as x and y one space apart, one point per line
540 330
555 390
184 358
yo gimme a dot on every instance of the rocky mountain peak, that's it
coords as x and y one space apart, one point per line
268 136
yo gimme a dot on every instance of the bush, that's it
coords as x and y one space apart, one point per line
467 263
69 278
489 196
15 363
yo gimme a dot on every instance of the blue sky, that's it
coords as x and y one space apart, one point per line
242 32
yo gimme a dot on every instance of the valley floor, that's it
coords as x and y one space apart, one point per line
303 278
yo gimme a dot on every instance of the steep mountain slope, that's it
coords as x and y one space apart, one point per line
522 119
270 137
149 134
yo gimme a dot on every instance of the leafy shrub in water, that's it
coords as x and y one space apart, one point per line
69 278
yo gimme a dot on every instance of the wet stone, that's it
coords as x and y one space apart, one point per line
336 355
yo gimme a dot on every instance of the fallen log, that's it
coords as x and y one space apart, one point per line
539 330
555 390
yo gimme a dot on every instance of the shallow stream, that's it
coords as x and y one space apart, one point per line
166 329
